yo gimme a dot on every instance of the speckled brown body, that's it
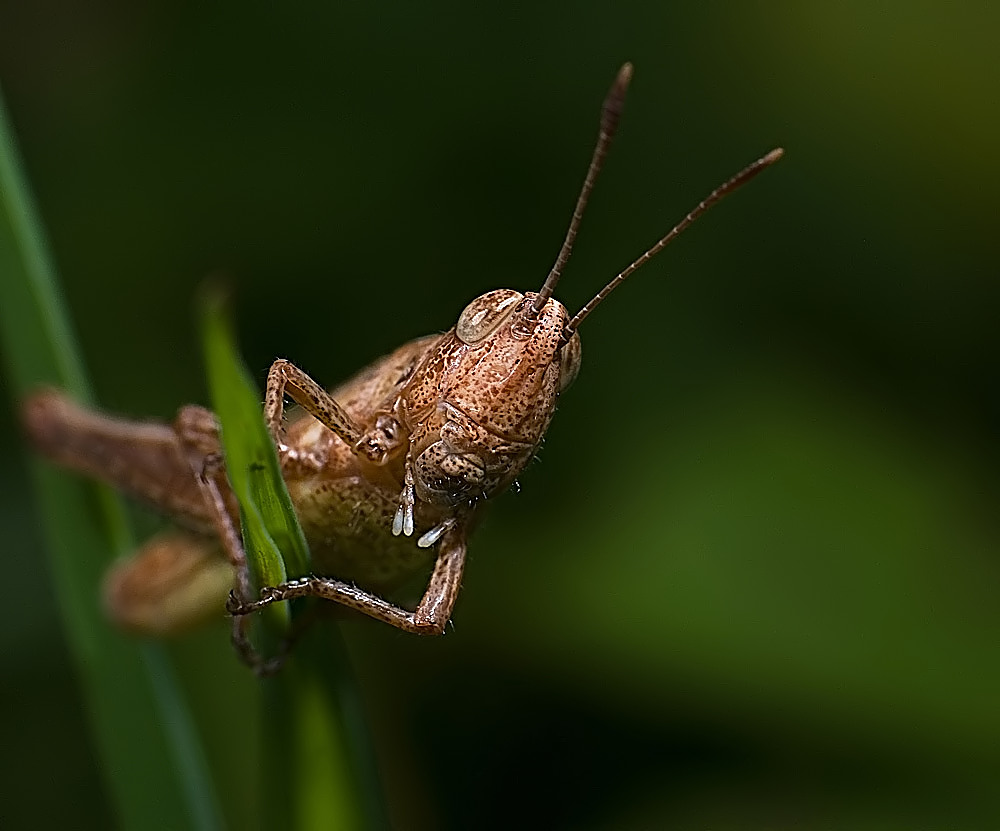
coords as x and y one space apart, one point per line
465 415
482 401
345 502
429 419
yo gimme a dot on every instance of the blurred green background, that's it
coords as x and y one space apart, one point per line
752 581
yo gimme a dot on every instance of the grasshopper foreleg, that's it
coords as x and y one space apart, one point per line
430 617
286 378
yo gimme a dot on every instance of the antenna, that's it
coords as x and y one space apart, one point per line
611 112
715 196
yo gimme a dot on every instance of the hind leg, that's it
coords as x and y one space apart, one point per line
150 460
173 582
197 431
175 579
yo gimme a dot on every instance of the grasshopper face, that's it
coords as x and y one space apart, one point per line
508 319
497 376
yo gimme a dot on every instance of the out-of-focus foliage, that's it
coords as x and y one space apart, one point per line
152 761
752 581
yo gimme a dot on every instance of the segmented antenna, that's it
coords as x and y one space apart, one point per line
715 196
611 113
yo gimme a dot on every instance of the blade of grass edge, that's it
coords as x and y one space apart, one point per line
319 770
251 461
150 756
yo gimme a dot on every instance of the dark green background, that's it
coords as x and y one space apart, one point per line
753 580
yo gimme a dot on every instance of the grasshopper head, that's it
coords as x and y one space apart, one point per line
505 367
518 361
537 336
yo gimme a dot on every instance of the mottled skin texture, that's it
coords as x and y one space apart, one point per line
345 502
445 398
476 412
466 416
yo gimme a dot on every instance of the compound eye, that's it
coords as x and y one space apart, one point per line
569 362
484 315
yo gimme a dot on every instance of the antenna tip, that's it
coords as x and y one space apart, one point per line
624 76
773 156
615 101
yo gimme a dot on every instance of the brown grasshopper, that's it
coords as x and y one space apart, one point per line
386 472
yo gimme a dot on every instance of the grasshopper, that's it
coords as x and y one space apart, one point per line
387 472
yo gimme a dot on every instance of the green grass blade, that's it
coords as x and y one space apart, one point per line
275 543
152 762
315 777
318 769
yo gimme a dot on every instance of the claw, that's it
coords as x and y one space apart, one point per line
235 606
